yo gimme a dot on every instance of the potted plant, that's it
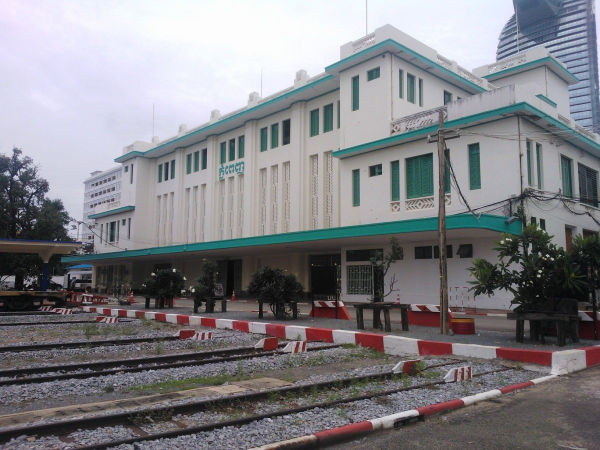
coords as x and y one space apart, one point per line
163 285
205 286
281 291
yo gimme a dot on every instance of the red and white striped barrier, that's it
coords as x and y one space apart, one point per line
295 347
425 315
458 374
586 324
202 336
63 311
105 319
47 308
267 344
408 367
327 309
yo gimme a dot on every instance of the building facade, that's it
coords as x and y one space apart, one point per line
102 191
567 28
317 179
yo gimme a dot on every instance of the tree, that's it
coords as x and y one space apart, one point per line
26 213
273 286
164 285
381 265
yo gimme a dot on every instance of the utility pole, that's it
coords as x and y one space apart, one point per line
441 147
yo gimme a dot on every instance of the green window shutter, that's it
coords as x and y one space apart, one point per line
420 91
223 158
263 139
328 118
410 88
274 135
356 187
314 122
395 180
355 94
426 175
538 160
373 74
204 158
160 173
447 170
196 161
401 83
474 167
338 114
172 169
567 170
529 162
419 176
231 149
188 163
166 171
241 144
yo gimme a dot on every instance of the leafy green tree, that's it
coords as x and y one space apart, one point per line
274 287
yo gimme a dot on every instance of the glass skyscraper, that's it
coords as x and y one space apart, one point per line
567 28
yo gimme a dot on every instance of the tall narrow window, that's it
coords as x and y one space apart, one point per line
401 83
356 187
328 118
263 139
529 163
204 158
420 91
160 169
474 167
188 163
241 145
286 129
538 163
129 228
274 135
566 170
410 87
223 153
588 185
373 74
231 149
166 171
447 171
447 97
338 114
172 169
355 94
314 122
196 161
131 175
395 180
419 176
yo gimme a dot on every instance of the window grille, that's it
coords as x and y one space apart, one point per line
360 280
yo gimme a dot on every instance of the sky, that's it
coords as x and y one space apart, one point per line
79 78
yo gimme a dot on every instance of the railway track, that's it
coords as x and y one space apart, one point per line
54 322
135 365
307 390
84 344
26 313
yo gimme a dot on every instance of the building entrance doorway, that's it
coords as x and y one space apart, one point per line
324 274
230 274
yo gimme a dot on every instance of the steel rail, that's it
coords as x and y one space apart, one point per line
80 344
54 322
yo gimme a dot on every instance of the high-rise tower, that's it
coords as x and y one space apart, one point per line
567 28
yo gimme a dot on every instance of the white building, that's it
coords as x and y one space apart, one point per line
318 177
102 191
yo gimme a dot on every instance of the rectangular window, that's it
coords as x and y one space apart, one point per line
126 169
231 149
112 231
286 131
395 180
314 122
338 114
131 175
529 163
223 149
355 94
356 187
474 167
425 252
419 176
196 161
129 228
360 279
160 169
274 135
328 118
447 97
172 169
543 224
166 171
188 163
123 222
375 170
566 169
401 83
410 87
588 185
101 232
263 139
373 74
447 171
538 163
364 254
204 158
420 91
465 250
241 145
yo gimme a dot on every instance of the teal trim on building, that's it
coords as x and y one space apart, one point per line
111 212
423 132
553 62
547 100
455 222
279 98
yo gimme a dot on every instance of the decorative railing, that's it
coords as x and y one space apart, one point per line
416 204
